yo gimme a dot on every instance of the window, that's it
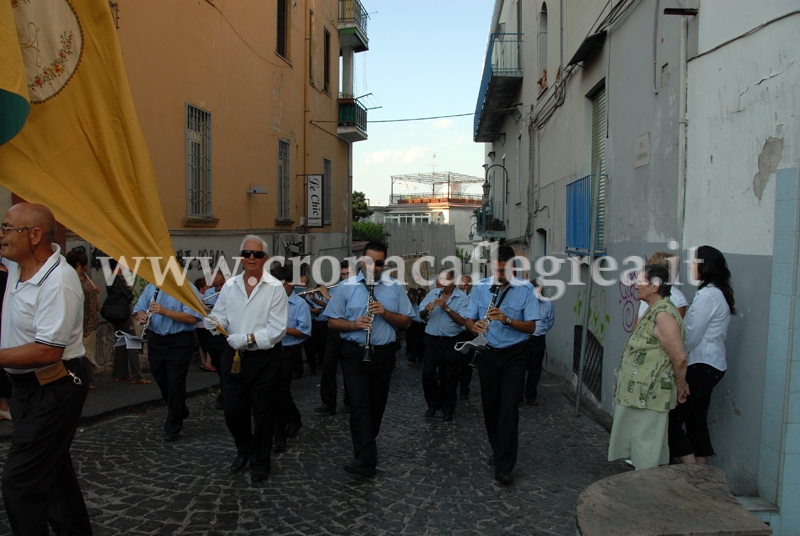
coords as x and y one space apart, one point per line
413 219
282 47
599 156
198 162
311 47
541 43
327 191
326 63
519 168
284 185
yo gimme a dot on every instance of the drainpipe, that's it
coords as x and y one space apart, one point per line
682 130
306 110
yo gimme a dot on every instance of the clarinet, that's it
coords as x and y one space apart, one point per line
495 291
146 326
367 346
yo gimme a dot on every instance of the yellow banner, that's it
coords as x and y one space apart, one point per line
82 152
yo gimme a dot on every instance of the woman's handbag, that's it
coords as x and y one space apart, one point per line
116 308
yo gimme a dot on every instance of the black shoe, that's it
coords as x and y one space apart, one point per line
297 375
238 465
346 408
218 404
171 438
447 417
430 413
532 402
259 476
325 410
504 478
313 372
490 460
359 468
291 430
278 444
464 396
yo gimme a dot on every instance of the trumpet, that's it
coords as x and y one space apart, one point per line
495 291
367 346
315 289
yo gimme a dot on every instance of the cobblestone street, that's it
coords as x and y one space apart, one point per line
432 476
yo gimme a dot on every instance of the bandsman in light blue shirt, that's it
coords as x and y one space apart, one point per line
170 344
501 365
536 344
298 329
351 313
217 344
443 309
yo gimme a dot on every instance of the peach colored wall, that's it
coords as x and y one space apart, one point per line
221 57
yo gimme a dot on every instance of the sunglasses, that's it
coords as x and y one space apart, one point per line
246 253
378 263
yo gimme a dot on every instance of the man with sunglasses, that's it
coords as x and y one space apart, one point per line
42 349
170 346
253 309
501 364
367 382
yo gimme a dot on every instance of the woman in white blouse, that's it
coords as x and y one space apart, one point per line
706 329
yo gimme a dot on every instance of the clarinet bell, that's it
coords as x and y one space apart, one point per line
367 355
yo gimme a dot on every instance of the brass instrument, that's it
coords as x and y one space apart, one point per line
367 346
315 289
495 291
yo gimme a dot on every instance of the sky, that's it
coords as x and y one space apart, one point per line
425 59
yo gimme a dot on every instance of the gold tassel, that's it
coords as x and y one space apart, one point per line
236 368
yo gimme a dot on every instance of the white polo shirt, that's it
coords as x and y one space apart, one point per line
47 308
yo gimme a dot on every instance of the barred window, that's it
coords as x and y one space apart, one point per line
198 162
327 191
284 185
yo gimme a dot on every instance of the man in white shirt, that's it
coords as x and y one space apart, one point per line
42 349
253 308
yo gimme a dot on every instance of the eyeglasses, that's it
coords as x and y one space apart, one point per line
246 253
378 263
6 228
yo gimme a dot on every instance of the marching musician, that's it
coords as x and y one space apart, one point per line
333 349
537 344
443 309
464 367
351 313
217 343
501 365
253 310
315 344
170 346
298 328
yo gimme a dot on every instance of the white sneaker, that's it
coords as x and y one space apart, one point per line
5 415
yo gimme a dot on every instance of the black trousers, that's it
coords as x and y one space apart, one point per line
440 372
502 377
39 482
368 385
315 344
251 399
464 367
169 357
415 341
695 440
287 410
218 345
536 348
327 382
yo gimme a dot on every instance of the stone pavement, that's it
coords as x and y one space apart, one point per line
432 477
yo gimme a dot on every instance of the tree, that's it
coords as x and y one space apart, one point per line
360 207
367 231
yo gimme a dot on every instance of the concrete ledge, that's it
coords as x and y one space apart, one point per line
674 500
757 504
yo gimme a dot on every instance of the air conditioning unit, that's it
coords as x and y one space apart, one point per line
289 244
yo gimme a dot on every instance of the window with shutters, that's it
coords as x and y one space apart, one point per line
327 191
282 19
599 157
198 163
326 63
284 184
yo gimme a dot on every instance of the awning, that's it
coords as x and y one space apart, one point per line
590 46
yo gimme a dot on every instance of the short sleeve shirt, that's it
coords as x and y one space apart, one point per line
47 308
519 303
299 319
439 322
160 324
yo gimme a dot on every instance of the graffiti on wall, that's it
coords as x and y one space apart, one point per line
598 318
629 301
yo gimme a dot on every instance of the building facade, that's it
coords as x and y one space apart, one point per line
695 140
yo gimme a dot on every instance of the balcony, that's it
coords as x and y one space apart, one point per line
502 77
442 198
352 120
490 224
353 26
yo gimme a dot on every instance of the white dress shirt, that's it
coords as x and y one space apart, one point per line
675 296
264 313
707 322
47 308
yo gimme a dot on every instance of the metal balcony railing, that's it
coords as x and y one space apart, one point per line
352 114
435 198
491 220
503 59
353 11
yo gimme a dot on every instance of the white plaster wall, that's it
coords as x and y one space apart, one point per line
742 125
722 20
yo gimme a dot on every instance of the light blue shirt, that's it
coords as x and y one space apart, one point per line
439 322
548 313
520 303
321 317
299 319
210 301
160 324
350 303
